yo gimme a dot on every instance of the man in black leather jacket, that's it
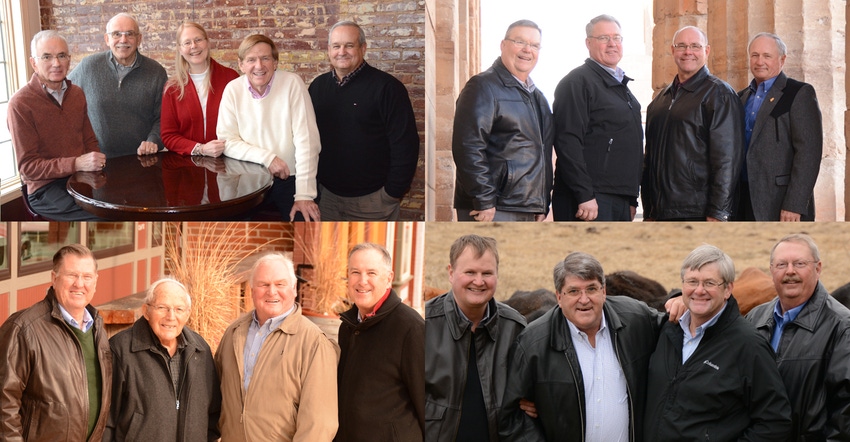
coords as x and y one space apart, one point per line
467 338
694 140
548 362
502 137
810 332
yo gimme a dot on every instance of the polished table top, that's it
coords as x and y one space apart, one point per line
169 186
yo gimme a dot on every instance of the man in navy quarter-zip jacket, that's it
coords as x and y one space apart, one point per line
598 134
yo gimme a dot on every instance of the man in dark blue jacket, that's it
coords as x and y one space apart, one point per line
599 136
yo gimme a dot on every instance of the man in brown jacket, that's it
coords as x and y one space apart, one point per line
56 378
277 369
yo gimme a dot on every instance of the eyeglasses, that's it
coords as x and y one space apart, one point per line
589 291
197 41
796 264
73 277
62 57
117 34
681 47
519 44
606 38
708 284
164 309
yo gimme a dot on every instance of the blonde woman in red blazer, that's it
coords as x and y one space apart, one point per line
192 96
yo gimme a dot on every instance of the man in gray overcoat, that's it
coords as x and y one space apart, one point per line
784 139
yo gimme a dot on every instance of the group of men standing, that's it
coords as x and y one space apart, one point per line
275 375
600 368
352 136
711 154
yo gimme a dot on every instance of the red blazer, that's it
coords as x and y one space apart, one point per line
182 121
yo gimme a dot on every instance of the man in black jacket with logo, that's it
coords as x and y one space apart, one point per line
810 332
712 377
694 140
502 137
599 137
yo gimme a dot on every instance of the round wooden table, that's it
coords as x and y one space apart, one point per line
171 187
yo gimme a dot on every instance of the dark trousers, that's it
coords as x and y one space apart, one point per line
281 197
744 209
54 202
611 207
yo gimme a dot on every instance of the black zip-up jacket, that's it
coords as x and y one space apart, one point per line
447 341
694 150
729 389
544 368
814 363
599 136
502 145
144 400
380 375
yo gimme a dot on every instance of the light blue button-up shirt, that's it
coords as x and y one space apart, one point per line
692 342
257 335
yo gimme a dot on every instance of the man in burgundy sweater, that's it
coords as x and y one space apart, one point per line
51 132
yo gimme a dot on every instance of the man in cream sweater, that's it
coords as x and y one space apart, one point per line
266 117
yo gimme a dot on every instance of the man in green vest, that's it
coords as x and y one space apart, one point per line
56 381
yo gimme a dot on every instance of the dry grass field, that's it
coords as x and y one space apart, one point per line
656 250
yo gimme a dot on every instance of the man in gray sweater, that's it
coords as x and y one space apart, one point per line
124 91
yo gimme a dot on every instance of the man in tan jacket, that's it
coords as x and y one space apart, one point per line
277 369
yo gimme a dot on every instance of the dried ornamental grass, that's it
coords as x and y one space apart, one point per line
326 290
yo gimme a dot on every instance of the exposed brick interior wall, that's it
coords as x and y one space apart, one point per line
394 29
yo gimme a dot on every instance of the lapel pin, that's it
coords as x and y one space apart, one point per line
771 99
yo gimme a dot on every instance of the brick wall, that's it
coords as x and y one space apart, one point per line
394 32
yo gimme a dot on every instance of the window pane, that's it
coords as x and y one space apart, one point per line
40 240
8 165
157 234
110 238
4 251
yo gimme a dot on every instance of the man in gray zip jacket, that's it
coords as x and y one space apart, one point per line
810 333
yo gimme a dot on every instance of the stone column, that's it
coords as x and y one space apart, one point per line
454 53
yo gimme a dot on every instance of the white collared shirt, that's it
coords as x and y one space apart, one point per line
605 391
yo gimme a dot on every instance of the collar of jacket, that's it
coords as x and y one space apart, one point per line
692 83
458 325
606 76
53 303
810 315
143 337
730 313
559 331
508 79
350 316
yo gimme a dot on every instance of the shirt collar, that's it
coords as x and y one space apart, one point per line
617 73
528 84
347 78
685 321
483 319
265 93
767 84
87 319
575 331
121 66
273 322
790 315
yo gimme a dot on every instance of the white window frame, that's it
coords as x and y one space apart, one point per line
22 23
